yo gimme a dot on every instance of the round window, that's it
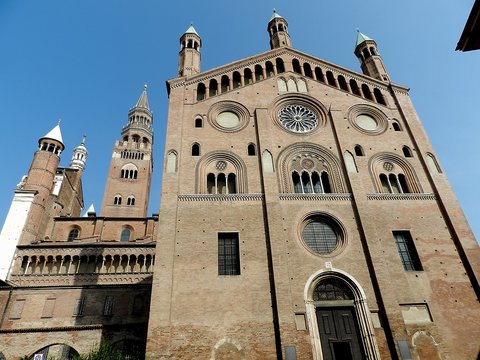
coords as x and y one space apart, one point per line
297 118
320 236
366 122
228 119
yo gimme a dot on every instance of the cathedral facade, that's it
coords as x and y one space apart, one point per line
304 215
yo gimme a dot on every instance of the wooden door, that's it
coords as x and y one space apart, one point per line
339 334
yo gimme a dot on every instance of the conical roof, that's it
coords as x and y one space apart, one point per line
143 100
90 209
54 134
276 15
361 38
191 30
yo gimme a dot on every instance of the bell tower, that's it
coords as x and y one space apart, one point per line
278 30
128 183
189 57
370 61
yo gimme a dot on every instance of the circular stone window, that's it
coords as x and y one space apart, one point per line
322 235
368 119
228 116
228 119
366 122
297 118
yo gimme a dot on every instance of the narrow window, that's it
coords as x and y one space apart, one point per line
232 183
394 184
201 91
108 306
297 185
396 126
407 152
432 164
372 51
403 183
125 235
280 65
269 69
326 183
407 251
307 184
359 150
196 149
296 66
258 73
331 79
237 82
221 183
79 309
198 122
319 74
228 254
73 234
379 96
251 150
354 87
366 53
317 183
225 83
213 87
342 82
385 183
366 92
307 70
248 76
211 188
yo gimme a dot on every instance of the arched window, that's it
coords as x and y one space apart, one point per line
201 91
302 85
366 53
319 74
172 161
131 201
73 234
269 69
354 87
212 88
237 82
248 76
311 182
394 183
258 73
291 85
129 171
407 152
125 235
307 70
331 79
117 200
198 122
433 164
282 85
221 183
366 92
196 149
280 65
359 150
342 82
225 83
296 66
378 96
396 126
251 150
372 51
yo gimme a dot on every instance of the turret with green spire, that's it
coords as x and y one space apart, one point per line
189 57
278 30
370 61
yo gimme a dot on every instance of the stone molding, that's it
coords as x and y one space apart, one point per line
216 198
315 197
407 196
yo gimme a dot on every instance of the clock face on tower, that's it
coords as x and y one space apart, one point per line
297 118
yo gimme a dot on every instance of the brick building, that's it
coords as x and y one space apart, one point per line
304 215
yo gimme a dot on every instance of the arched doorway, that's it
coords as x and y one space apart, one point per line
57 351
338 317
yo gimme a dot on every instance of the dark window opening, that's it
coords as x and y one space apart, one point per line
73 234
196 149
359 150
228 254
407 251
280 65
296 66
307 70
251 150
198 122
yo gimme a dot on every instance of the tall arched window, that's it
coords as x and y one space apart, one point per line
258 73
213 87
319 74
201 91
248 76
354 87
379 96
73 234
331 79
394 183
269 69
407 152
311 182
296 66
307 70
125 235
342 82
225 83
221 183
237 81
367 94
196 149
280 65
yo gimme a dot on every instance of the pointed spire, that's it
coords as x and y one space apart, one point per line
143 100
191 30
55 134
90 211
79 156
276 15
361 38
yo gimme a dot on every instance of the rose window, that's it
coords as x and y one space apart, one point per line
298 118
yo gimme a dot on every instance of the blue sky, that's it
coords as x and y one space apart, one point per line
86 62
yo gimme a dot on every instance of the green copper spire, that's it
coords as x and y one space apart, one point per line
361 38
191 30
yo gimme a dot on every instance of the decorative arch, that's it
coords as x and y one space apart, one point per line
391 165
312 156
358 303
225 162
129 171
227 342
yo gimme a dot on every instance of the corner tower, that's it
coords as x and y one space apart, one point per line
128 183
278 30
370 61
189 57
